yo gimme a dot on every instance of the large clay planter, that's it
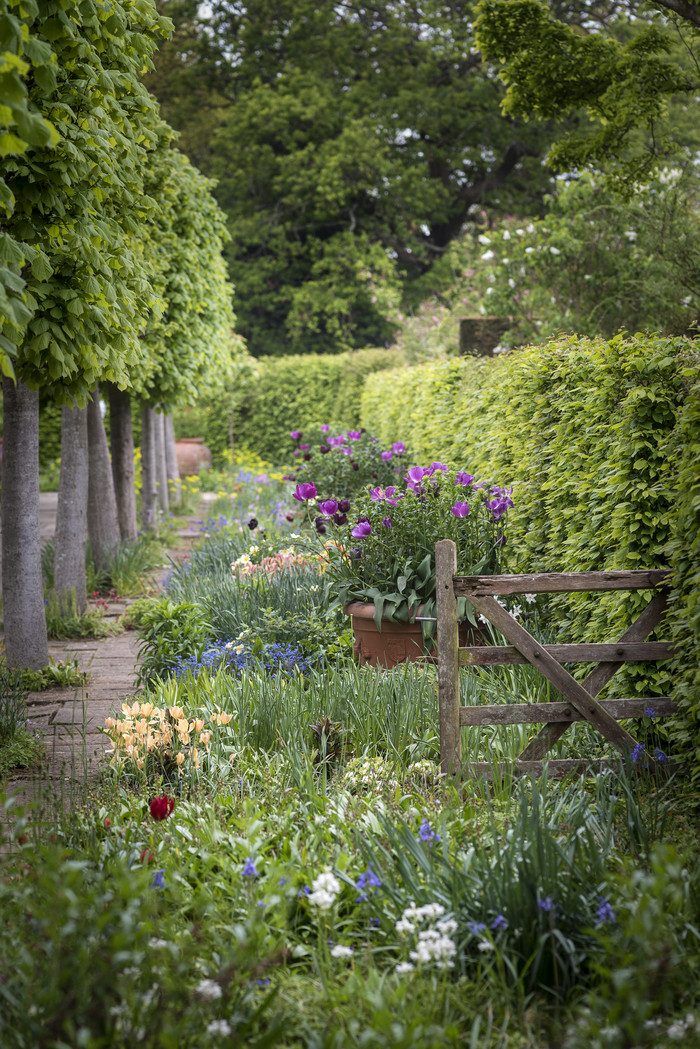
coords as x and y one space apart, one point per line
191 454
397 642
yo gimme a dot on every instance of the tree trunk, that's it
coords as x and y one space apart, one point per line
26 643
174 486
161 469
103 521
123 470
149 506
71 516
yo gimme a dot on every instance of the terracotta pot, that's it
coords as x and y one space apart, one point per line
397 642
191 454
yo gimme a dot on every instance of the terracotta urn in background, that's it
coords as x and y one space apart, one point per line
192 454
397 642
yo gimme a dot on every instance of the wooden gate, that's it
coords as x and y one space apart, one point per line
579 702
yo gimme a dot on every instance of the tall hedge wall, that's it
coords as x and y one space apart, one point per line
601 441
284 394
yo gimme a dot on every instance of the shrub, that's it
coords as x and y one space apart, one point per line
295 392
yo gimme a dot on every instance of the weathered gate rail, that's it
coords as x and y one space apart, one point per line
579 702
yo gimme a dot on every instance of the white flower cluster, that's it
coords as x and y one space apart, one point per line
220 1027
425 770
680 1029
339 951
369 774
324 890
209 990
434 944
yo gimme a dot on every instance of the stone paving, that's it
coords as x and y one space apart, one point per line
70 719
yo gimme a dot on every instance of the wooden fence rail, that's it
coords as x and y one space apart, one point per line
580 703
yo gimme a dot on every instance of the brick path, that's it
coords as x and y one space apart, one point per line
70 719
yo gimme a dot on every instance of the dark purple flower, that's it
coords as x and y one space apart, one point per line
320 526
289 477
386 521
386 456
324 449
355 554
355 466
307 457
460 509
253 523
304 492
340 519
344 506
328 507
362 530
289 516
398 447
464 479
296 435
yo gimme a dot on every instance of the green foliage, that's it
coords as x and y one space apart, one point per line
596 438
614 85
13 703
65 621
23 750
289 393
56 675
79 203
170 632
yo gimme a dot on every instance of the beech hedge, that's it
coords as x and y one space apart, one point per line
298 392
601 441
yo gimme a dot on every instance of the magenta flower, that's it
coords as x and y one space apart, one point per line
304 447
398 447
416 474
463 479
386 456
362 530
296 435
304 492
434 467
328 507
354 435
325 428
376 494
335 442
386 521
460 509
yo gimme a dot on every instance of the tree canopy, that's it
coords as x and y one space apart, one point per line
618 80
355 142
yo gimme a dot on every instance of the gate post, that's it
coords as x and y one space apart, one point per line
448 655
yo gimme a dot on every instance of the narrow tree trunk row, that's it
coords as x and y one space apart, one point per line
123 470
103 521
71 516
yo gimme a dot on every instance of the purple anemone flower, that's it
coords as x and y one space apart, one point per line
304 447
464 479
376 494
460 509
386 521
434 467
328 507
398 447
386 456
325 428
296 435
304 492
362 530
354 435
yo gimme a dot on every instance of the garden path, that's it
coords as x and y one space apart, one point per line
70 718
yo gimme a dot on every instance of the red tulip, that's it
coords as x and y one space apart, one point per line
162 807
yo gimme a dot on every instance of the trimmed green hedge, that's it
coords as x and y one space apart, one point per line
284 394
601 441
